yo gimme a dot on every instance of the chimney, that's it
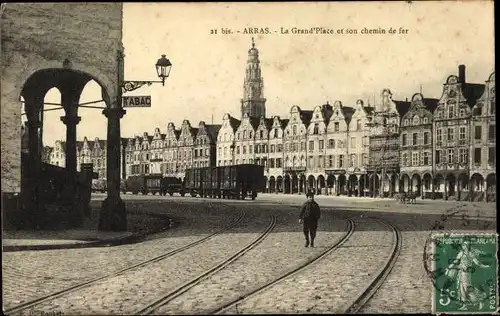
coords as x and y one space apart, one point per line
461 74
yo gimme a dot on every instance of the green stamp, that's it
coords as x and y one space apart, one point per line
465 273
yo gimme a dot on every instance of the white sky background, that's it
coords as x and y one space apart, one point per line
306 70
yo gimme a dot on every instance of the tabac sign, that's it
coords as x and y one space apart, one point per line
136 101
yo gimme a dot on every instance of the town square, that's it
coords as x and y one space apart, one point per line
206 158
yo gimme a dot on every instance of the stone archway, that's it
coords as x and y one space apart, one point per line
265 187
272 184
280 185
311 183
341 184
463 193
287 184
373 184
450 186
295 184
491 187
352 185
302 183
427 185
416 184
438 184
363 184
71 199
330 183
321 184
405 183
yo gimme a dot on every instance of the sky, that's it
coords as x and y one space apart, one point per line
207 75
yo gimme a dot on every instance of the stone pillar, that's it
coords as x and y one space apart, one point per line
32 200
113 213
71 121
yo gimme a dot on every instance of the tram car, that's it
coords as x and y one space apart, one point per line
227 182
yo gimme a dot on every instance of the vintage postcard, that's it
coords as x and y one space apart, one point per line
242 158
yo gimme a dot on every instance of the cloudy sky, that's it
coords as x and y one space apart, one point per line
298 69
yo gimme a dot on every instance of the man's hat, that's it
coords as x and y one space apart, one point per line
310 193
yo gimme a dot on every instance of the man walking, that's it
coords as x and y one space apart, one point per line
309 215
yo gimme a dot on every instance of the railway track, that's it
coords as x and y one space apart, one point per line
32 303
362 298
342 240
163 300
367 293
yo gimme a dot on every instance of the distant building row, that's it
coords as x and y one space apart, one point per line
442 147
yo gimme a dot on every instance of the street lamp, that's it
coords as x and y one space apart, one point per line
163 66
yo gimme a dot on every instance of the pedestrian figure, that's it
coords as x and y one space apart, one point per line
309 215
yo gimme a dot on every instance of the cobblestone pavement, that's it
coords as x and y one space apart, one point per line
28 275
125 293
322 287
328 285
278 254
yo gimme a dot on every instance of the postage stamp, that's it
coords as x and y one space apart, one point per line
464 271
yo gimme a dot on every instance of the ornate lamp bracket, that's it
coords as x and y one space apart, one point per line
128 86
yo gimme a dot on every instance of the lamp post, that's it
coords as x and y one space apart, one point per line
163 67
113 216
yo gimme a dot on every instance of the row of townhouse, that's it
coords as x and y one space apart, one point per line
88 151
442 146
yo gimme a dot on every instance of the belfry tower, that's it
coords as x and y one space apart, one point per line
253 102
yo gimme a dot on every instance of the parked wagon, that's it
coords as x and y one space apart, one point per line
145 184
172 185
231 182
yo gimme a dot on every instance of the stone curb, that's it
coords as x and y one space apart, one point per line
111 242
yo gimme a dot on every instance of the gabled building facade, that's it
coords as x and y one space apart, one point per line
416 141
226 140
205 146
295 150
452 136
483 145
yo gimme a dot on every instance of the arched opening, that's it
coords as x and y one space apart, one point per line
427 185
363 185
477 187
405 183
352 185
295 184
52 99
463 193
491 188
450 187
416 183
373 184
330 182
341 184
438 185
287 184
272 184
311 183
302 183
321 184
265 185
279 184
